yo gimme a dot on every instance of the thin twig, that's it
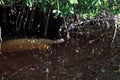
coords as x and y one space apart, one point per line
100 45
115 30
21 18
18 17
46 26
32 17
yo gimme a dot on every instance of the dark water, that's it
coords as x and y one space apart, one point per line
75 59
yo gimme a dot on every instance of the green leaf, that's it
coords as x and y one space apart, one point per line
71 11
73 1
29 3
1 2
99 2
39 1
54 11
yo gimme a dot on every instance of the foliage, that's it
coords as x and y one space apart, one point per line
87 8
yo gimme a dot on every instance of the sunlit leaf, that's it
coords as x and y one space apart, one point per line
1 2
54 11
73 1
72 12
99 2
39 0
29 2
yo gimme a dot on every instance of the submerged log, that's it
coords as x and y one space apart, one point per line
17 45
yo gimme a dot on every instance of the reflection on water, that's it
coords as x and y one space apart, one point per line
17 45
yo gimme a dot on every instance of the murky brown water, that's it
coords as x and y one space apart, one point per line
74 59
